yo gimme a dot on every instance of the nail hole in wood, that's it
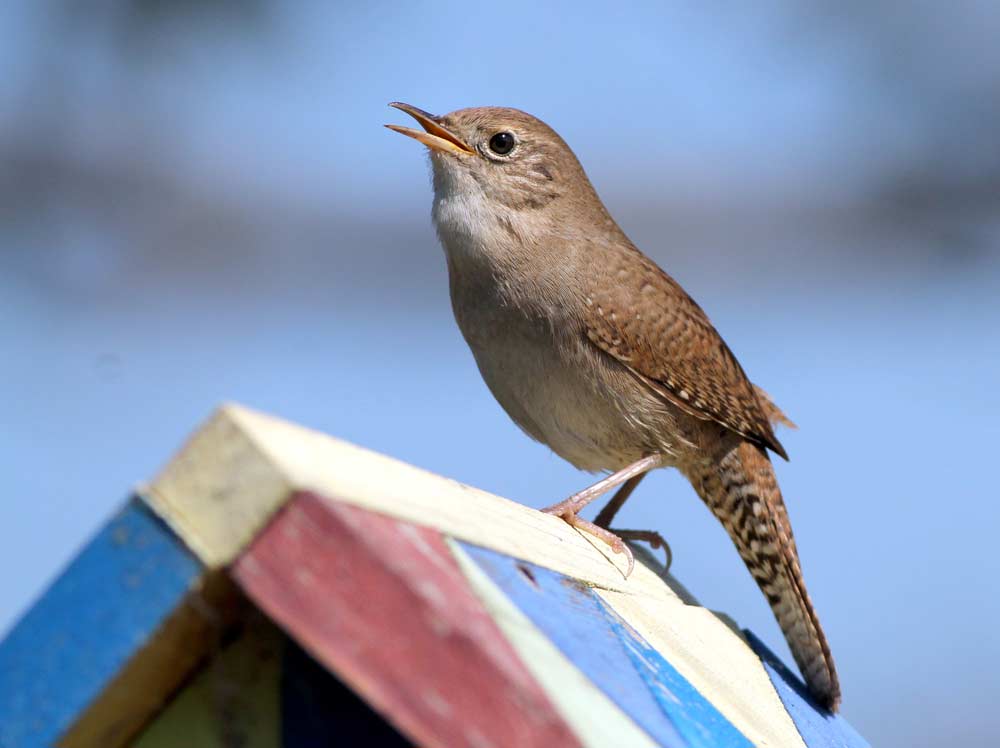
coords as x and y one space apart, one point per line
528 574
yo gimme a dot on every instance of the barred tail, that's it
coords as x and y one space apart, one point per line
741 490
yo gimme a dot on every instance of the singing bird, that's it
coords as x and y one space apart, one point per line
595 351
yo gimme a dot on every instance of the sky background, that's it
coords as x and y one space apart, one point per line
198 203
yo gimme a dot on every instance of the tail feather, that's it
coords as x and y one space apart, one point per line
774 414
741 490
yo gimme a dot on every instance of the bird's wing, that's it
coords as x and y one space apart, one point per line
642 317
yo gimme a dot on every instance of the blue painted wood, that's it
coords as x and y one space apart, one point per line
818 727
87 625
571 616
695 717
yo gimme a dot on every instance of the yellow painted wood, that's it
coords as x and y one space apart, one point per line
234 700
241 467
219 490
715 660
595 719
143 685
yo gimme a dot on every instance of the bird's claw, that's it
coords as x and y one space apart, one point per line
655 541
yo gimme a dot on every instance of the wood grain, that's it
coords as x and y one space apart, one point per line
597 720
109 641
242 466
402 628
715 660
818 728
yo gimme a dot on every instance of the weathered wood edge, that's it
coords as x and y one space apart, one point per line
242 466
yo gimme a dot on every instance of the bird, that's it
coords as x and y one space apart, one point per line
595 351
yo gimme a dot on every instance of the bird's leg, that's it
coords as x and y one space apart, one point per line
579 500
610 509
607 514
570 508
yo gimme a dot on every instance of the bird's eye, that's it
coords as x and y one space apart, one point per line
502 143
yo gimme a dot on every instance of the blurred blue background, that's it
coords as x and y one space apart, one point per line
198 203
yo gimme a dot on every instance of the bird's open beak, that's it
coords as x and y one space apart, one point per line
435 136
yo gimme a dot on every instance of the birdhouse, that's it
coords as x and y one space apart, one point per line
274 587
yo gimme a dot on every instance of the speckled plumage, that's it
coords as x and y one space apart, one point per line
642 317
595 351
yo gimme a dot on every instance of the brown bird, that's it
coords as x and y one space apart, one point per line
595 351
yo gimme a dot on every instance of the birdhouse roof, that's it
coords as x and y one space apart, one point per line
310 575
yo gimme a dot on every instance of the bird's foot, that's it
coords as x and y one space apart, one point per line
628 478
654 539
567 507
565 510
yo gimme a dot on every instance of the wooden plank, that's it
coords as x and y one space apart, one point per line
62 665
597 721
242 466
572 618
383 604
233 701
818 727
145 683
715 660
697 720
220 489
264 691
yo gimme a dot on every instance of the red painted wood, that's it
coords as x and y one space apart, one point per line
383 604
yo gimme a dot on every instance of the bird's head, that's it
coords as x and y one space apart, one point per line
507 157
